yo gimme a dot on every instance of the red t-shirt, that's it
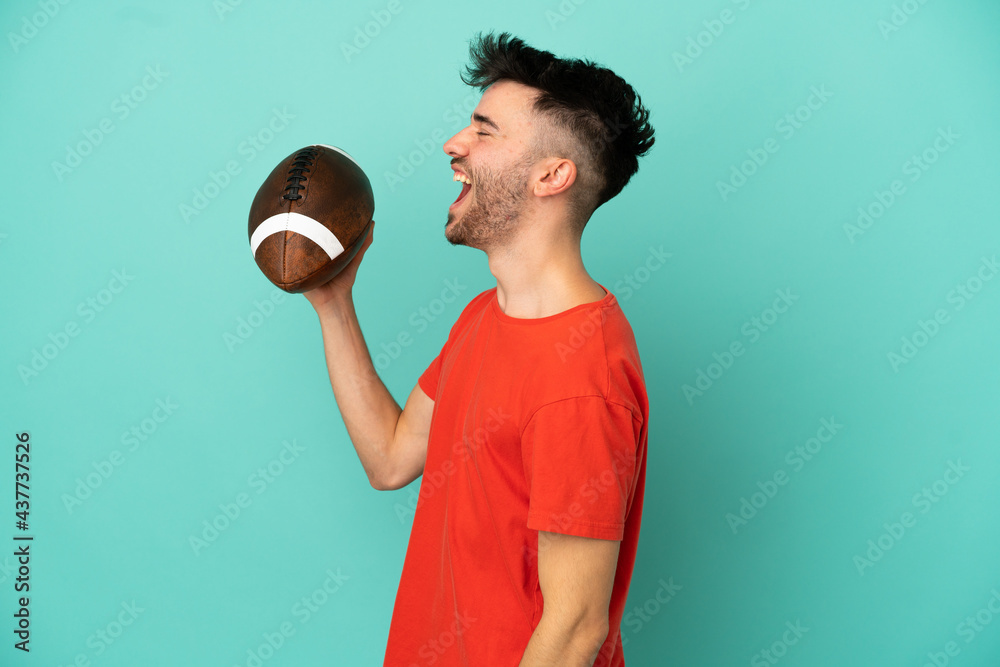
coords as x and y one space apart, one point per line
538 425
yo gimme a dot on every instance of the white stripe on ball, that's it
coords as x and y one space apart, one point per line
341 151
300 224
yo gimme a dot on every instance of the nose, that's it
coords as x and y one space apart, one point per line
456 147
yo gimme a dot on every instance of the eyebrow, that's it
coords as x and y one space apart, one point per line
485 120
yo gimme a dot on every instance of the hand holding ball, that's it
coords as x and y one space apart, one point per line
310 218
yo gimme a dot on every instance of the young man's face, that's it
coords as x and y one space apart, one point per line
494 151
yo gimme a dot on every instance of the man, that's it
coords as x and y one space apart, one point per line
529 427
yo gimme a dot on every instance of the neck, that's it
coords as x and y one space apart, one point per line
541 273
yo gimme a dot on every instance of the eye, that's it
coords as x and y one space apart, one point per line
483 134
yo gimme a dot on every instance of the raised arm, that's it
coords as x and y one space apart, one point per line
391 442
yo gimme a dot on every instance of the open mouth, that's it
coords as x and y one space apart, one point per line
466 187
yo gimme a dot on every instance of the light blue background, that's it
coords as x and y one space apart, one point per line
168 333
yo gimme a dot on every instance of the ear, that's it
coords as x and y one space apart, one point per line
557 174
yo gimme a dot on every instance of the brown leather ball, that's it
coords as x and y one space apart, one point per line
310 217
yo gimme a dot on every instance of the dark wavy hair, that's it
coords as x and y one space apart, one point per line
596 107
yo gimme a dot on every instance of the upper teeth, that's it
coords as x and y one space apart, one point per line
462 177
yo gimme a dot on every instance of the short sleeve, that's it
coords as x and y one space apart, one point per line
428 380
580 462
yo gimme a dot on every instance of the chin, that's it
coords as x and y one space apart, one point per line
452 232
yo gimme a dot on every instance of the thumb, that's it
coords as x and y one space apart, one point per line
370 236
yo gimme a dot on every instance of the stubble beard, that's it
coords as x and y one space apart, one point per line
493 215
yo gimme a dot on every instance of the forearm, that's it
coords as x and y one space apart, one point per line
368 409
562 644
